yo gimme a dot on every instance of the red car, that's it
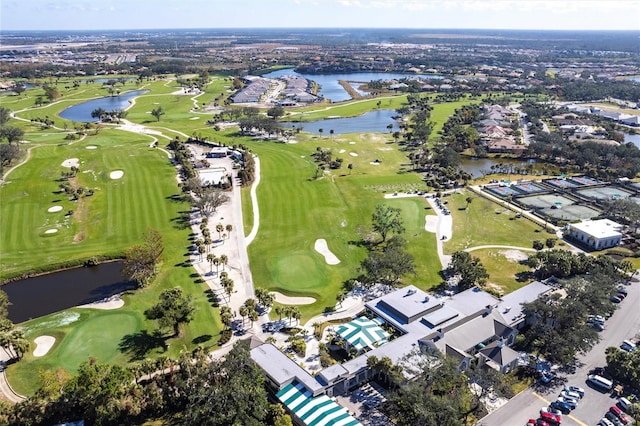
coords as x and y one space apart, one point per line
551 417
619 414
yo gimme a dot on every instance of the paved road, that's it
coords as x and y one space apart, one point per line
624 323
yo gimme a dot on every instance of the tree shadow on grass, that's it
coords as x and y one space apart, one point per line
183 221
138 345
202 339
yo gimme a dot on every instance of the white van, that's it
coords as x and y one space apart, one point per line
624 403
601 381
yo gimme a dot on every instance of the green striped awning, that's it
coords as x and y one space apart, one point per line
314 411
362 333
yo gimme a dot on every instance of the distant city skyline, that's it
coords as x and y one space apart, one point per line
419 14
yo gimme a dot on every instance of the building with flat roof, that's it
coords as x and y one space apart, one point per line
596 234
469 325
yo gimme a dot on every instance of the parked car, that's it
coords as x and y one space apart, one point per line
613 419
622 290
550 417
576 389
570 402
570 394
596 318
619 414
541 422
628 345
563 407
531 422
605 422
547 377
615 299
597 326
624 403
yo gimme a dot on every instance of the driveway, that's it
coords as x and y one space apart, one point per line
624 324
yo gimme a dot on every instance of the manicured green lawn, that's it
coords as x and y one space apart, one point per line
502 270
296 210
487 223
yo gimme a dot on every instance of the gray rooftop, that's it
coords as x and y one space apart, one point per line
510 306
404 305
281 368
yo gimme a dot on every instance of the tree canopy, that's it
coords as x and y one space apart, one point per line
172 310
469 269
386 219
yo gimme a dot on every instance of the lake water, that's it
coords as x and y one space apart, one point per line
476 166
82 112
632 138
371 122
45 294
330 87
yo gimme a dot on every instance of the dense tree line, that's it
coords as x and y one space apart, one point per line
9 151
191 390
558 327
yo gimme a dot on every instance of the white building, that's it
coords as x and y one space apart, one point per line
597 234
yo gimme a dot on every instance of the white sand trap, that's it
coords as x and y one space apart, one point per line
194 118
342 151
51 231
54 209
71 162
322 248
116 174
353 154
352 143
431 223
374 163
43 344
113 302
288 300
91 147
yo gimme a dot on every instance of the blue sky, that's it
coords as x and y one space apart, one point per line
486 14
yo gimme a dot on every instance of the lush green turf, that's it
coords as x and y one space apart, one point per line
502 270
296 209
485 223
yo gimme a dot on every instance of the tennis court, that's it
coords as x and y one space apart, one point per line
529 188
605 193
558 207
560 183
502 191
584 181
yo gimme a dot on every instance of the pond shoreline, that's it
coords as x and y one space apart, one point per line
81 263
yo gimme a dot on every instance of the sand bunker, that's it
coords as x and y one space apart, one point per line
322 248
374 163
43 344
51 231
117 174
71 162
113 302
431 223
91 147
352 143
194 118
342 151
514 255
289 300
55 209
353 154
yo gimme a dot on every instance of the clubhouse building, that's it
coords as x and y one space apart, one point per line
469 325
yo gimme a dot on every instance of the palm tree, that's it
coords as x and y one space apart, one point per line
216 261
224 260
208 242
219 229
210 258
243 311
229 228
468 200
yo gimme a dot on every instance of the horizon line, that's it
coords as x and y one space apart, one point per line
319 28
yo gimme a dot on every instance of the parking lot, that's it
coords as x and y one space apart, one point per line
624 324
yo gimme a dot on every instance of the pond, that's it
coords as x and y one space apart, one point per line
628 137
477 167
42 295
82 112
330 87
370 122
